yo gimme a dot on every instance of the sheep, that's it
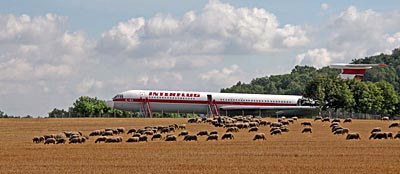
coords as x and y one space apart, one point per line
295 118
336 128
290 120
182 126
354 135
132 139
274 128
334 124
212 137
385 118
183 133
133 130
232 129
306 123
317 118
338 131
148 133
143 138
121 130
336 120
397 135
192 120
164 130
170 138
326 119
264 123
377 129
77 140
284 128
100 139
107 133
228 136
394 125
307 129
50 141
276 131
213 132
285 122
61 141
254 124
275 124
190 138
253 129
380 135
159 136
95 133
348 120
36 139
113 140
259 136
203 132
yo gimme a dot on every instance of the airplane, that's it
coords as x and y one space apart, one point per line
357 71
210 103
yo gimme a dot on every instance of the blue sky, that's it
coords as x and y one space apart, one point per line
52 52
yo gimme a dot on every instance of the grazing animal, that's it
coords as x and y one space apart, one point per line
326 119
276 131
182 126
295 118
385 118
133 130
136 135
397 135
190 138
354 135
232 129
317 118
275 124
61 141
213 132
228 136
264 123
394 125
121 130
307 129
306 123
347 120
165 130
77 140
155 136
336 120
113 140
132 139
143 138
334 124
259 136
377 129
36 139
50 141
100 139
203 132
183 133
253 129
212 137
108 133
170 138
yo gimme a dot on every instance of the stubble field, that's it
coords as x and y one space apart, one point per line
291 152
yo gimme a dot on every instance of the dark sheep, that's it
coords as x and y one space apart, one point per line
108 133
336 120
143 138
50 141
36 139
273 128
95 133
100 139
397 135
264 123
183 133
317 118
228 136
334 124
336 128
113 140
121 130
259 136
190 138
326 119
307 129
133 130
182 126
347 120
276 131
232 129
341 131
275 124
394 125
385 118
213 132
171 129
284 128
295 118
148 133
156 136
212 137
132 139
164 130
192 120
306 123
77 140
136 135
354 135
377 129
285 122
290 120
203 132
253 129
61 141
170 138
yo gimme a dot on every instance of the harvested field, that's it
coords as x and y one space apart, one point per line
291 152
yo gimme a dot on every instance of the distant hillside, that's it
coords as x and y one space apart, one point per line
295 82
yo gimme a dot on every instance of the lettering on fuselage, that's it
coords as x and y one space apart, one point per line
173 94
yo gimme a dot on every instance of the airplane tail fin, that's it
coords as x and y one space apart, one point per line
351 71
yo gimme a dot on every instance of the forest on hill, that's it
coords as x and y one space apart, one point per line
378 93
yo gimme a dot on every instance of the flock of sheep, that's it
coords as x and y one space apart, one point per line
231 125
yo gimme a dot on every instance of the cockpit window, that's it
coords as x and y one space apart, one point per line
118 96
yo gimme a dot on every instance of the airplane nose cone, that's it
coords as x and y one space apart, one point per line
110 103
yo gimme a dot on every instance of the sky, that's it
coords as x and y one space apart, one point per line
53 51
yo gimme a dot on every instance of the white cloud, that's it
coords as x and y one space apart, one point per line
324 6
89 85
222 77
316 57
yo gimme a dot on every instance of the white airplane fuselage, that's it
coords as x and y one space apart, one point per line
201 102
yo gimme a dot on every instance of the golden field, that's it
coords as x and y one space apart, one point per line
291 152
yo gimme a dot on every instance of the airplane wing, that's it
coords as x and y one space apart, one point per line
236 107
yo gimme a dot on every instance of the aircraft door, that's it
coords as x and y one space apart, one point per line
209 98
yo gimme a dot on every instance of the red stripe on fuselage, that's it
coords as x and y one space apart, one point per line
353 71
205 102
